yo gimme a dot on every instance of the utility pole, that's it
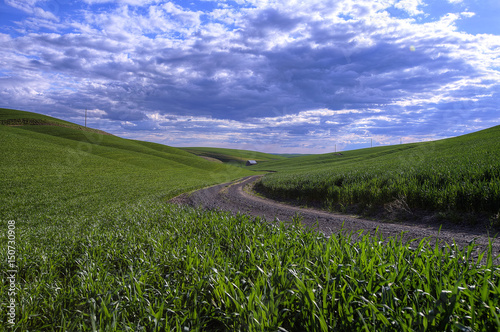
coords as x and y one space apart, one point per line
371 142
85 118
335 148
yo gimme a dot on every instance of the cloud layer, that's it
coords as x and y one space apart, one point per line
268 75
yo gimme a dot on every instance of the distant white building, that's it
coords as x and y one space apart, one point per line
251 162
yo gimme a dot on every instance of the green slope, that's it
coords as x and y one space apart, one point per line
232 156
66 170
9 117
15 117
456 174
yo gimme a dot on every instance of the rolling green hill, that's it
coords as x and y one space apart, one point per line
455 174
56 167
232 156
15 118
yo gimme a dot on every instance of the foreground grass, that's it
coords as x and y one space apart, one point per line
154 267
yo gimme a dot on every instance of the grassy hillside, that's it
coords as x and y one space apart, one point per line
14 118
291 155
54 170
87 243
233 157
456 174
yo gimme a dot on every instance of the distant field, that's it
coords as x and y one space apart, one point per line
456 174
95 247
233 157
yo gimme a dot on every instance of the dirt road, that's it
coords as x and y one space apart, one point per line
236 197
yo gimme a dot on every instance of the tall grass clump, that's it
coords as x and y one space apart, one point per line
156 267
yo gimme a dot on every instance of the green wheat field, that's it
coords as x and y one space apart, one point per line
97 247
460 174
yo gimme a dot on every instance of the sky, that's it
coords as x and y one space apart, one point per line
278 76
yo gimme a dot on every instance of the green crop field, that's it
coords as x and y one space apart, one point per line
232 156
88 243
41 162
456 174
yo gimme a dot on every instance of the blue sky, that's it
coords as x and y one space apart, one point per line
267 75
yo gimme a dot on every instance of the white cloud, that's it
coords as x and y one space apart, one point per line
467 14
26 6
30 7
410 6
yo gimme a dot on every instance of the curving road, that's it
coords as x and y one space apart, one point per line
236 197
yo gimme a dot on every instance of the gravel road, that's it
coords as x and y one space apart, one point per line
237 197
